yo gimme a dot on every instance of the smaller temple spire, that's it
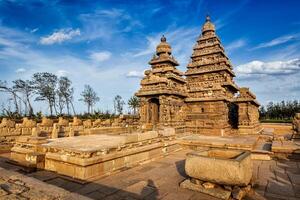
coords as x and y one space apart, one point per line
163 47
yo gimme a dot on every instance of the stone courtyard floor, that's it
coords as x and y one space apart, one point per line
159 179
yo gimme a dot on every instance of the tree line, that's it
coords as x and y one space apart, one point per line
282 110
57 93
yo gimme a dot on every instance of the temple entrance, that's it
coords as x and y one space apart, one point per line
153 111
233 115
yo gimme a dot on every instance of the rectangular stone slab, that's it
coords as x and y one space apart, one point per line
228 142
90 143
90 157
227 167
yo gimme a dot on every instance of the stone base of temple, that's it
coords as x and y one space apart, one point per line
209 131
250 130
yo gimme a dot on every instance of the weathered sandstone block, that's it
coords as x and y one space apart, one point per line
106 123
28 123
35 131
97 122
296 123
46 122
87 123
76 122
166 132
63 122
147 135
28 151
71 132
6 123
55 130
228 167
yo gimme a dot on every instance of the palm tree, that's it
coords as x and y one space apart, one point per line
134 103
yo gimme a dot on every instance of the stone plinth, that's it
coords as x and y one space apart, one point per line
28 151
226 167
287 147
92 156
228 142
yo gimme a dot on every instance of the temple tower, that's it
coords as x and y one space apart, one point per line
162 90
210 86
248 115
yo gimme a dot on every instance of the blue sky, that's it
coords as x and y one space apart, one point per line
108 43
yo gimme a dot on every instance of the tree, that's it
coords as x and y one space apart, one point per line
134 103
12 92
65 94
45 85
118 104
89 97
26 89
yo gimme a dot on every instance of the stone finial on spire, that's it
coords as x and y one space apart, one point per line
207 18
163 38
208 25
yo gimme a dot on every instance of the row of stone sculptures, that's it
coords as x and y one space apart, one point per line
46 122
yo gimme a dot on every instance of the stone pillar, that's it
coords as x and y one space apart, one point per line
35 131
71 132
54 133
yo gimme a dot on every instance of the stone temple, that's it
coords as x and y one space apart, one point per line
197 137
204 99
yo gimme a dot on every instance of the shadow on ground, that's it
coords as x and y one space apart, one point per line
137 189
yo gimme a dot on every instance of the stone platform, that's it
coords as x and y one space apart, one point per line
226 142
88 157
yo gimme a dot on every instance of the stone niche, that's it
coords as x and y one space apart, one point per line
226 167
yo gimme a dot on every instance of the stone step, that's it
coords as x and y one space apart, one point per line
262 150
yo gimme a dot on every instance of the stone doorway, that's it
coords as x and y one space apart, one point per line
153 111
233 115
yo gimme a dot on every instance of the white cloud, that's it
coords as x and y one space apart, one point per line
135 74
62 72
106 24
20 70
34 30
278 41
60 36
270 68
100 56
236 45
152 42
180 39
